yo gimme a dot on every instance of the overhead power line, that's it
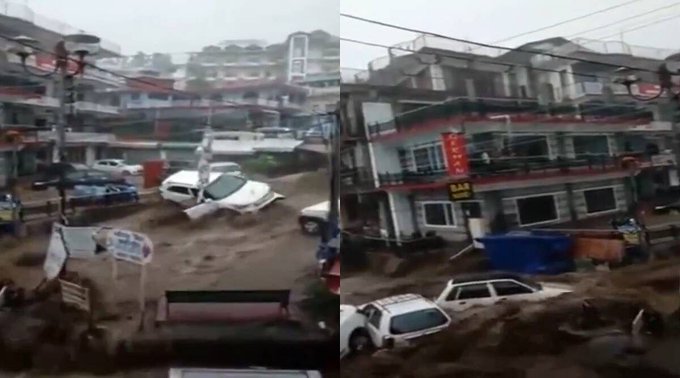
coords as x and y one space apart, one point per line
643 26
623 20
493 46
496 62
138 80
567 21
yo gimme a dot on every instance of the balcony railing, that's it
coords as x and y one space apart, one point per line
356 179
515 168
209 103
592 88
458 107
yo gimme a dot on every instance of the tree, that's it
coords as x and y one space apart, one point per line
139 60
162 63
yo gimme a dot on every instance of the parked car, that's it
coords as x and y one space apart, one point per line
486 289
226 167
76 177
388 322
117 166
313 219
104 195
227 191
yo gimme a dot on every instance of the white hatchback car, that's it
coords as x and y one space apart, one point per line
486 289
226 191
117 166
388 322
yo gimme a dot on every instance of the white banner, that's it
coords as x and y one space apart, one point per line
56 254
80 241
130 246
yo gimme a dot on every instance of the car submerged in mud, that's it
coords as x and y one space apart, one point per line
224 191
389 322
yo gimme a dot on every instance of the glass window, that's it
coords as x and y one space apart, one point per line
453 294
474 291
374 318
586 145
535 146
504 288
298 67
417 321
599 200
224 186
179 190
439 214
429 158
538 209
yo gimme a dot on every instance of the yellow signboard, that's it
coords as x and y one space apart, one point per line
461 191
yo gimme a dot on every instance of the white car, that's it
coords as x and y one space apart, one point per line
486 289
313 219
226 191
226 167
117 166
388 322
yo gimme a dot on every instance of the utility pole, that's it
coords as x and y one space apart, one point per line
205 154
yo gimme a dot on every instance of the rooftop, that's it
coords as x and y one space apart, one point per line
404 303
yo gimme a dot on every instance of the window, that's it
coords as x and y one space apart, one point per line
134 96
585 146
299 48
504 288
535 146
374 318
224 186
453 294
298 67
439 214
539 209
417 321
429 158
179 190
600 200
474 291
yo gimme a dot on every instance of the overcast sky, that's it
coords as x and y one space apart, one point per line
188 25
494 20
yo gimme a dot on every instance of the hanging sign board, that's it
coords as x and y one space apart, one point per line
460 191
130 246
455 154
56 254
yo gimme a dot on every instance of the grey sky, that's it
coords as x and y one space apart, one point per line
493 20
188 25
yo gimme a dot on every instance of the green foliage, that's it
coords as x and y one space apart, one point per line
263 164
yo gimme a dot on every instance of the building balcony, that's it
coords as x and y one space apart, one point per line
25 18
155 104
592 88
532 170
433 116
356 180
324 91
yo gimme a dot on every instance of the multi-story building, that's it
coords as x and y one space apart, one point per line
238 62
535 152
27 100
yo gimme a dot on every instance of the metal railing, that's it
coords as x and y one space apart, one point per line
519 167
36 210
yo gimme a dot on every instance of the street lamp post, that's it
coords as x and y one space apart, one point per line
78 45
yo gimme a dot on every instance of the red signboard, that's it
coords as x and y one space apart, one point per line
455 153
